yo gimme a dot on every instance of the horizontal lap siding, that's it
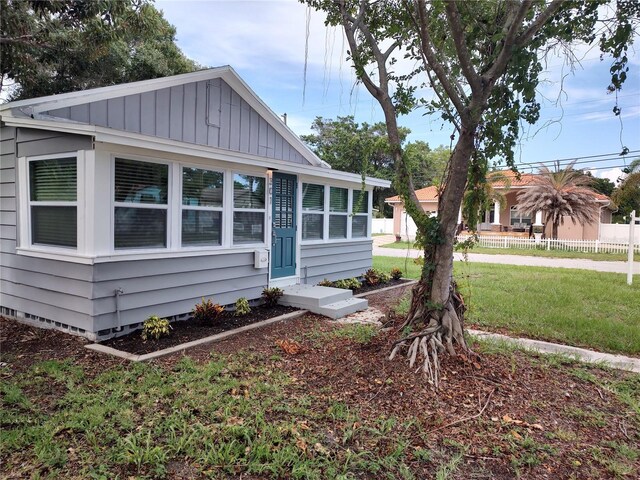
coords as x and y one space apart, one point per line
172 286
334 261
205 113
51 289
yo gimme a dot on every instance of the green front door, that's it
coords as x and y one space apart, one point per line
283 228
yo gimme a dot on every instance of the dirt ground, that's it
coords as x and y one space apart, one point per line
512 413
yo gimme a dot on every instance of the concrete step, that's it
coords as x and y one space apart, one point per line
342 308
312 296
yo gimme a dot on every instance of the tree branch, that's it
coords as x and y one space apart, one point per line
436 66
539 22
453 17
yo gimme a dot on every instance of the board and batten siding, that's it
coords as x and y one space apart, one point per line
206 113
38 287
334 261
171 286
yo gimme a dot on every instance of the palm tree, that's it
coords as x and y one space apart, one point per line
558 194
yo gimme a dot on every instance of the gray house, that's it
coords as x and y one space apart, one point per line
126 201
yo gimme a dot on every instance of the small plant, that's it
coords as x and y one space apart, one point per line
396 273
348 284
371 277
383 277
325 283
271 296
242 307
207 311
155 327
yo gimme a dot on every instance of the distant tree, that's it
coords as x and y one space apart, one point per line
51 47
627 196
601 185
427 164
363 148
558 194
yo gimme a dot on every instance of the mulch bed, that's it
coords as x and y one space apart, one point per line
189 330
184 331
390 283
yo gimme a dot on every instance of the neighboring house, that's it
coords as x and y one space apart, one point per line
502 218
139 199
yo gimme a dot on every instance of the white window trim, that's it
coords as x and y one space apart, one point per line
170 234
221 209
23 198
233 209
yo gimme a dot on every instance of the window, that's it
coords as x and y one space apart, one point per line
53 202
248 209
202 194
312 211
338 208
518 218
140 217
360 210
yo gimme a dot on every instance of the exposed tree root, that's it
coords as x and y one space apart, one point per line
442 330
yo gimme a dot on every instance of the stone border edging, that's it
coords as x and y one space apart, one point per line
620 362
96 347
380 290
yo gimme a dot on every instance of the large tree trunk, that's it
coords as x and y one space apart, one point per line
436 315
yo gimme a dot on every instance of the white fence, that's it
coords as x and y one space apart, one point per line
382 225
618 232
595 246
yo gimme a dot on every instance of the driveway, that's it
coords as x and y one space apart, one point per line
584 264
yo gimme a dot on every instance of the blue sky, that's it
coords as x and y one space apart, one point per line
264 41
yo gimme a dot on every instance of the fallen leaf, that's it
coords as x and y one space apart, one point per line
289 346
318 447
516 435
301 444
235 421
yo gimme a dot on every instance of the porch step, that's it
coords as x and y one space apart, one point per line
328 301
343 308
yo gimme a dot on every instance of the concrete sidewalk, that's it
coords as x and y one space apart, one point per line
583 264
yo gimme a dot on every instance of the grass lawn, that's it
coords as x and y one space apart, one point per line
612 257
577 307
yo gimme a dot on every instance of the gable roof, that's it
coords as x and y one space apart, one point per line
48 109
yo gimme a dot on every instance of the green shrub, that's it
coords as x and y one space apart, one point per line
242 307
207 311
348 284
383 277
155 327
396 273
271 296
325 283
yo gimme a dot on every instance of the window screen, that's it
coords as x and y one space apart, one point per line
140 217
53 187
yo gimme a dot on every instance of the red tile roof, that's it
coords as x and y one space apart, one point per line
429 194
424 195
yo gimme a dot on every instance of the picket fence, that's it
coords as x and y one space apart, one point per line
594 246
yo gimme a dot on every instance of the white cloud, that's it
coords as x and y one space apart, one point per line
613 174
